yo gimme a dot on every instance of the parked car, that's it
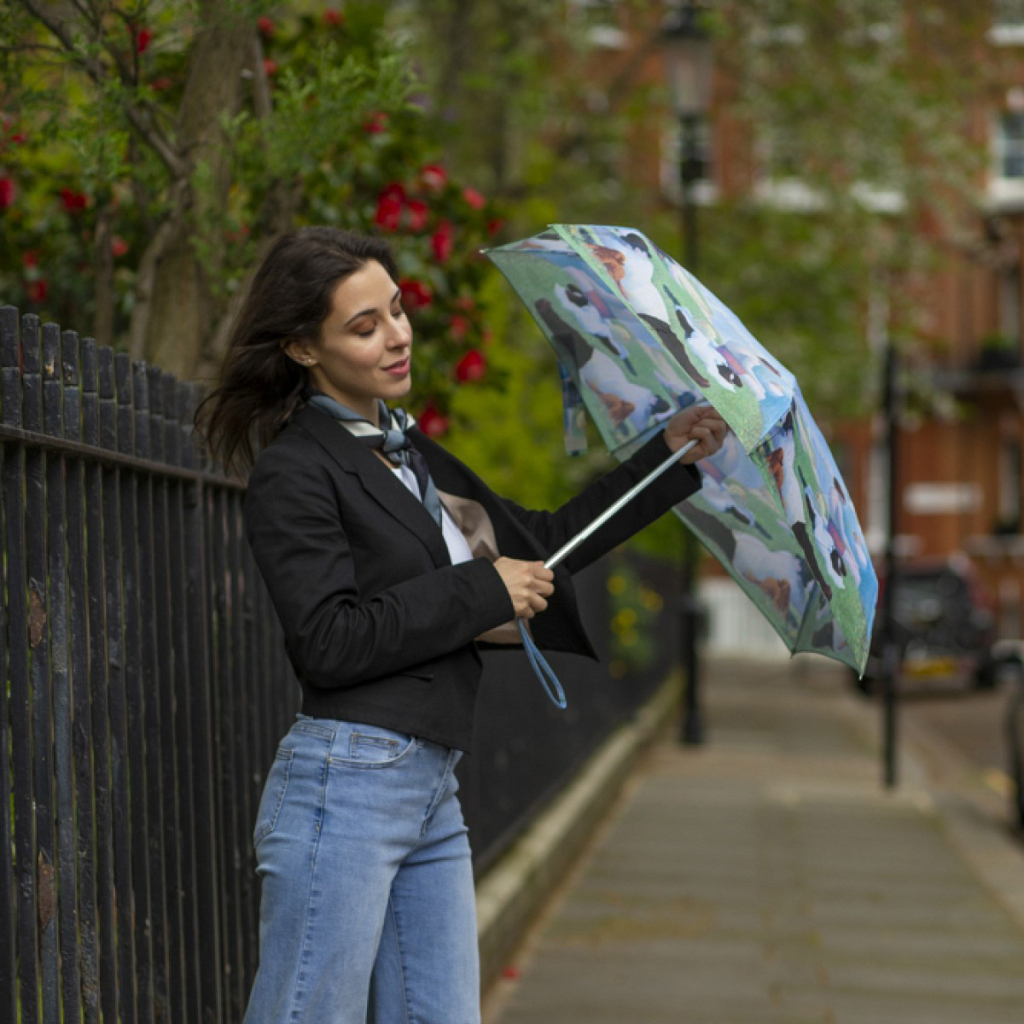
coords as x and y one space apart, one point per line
1008 656
943 623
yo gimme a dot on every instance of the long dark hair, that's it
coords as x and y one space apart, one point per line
289 299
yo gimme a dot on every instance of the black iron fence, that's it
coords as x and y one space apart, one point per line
146 687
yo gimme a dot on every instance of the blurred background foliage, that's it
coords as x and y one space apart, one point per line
149 150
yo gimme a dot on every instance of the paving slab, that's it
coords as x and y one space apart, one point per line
768 877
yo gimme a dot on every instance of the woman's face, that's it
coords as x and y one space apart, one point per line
365 343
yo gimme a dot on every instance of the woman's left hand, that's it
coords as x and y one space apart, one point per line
700 423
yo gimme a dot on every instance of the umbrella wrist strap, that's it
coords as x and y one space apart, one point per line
543 671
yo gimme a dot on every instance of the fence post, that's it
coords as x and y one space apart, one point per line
18 939
104 973
112 428
201 722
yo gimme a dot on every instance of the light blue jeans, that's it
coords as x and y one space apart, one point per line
367 910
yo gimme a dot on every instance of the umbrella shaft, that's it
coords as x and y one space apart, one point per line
570 546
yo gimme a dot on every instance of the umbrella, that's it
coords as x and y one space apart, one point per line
638 338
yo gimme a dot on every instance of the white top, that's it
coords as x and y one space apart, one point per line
458 548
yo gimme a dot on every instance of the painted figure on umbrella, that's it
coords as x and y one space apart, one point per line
625 401
780 457
633 271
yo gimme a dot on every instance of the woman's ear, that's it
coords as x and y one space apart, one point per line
301 351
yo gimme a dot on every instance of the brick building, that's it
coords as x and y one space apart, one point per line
960 470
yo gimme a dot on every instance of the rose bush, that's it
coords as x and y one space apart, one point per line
77 212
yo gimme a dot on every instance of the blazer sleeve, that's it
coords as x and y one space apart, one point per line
335 635
553 529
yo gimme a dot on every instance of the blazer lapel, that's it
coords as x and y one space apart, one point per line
381 483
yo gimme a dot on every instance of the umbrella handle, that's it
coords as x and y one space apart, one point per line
571 545
544 672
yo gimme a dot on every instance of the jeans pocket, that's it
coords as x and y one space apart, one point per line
273 794
373 747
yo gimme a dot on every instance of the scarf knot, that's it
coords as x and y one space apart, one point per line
390 439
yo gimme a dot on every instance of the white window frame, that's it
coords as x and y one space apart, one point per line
1007 28
1003 188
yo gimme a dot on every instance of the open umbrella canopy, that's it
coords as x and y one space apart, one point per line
638 338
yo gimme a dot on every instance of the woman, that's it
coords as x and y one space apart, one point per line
386 559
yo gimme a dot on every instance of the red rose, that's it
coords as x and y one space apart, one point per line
418 212
118 246
415 294
30 258
459 327
142 40
441 241
333 17
465 303
389 213
432 422
18 138
73 201
266 26
8 190
37 290
377 123
474 198
269 67
471 366
433 177
494 226
161 84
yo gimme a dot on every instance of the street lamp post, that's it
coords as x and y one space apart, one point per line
687 53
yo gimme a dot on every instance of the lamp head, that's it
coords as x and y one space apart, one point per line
688 53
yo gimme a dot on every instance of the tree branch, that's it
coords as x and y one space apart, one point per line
138 117
146 277
260 82
129 75
103 262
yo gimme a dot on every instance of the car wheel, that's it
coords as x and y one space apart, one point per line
1015 749
986 676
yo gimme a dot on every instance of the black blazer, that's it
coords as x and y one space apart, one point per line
380 627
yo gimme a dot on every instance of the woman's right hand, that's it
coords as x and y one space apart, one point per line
528 584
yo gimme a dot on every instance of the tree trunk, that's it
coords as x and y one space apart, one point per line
103 322
176 306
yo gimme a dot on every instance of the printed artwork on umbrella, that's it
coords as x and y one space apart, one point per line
780 520
638 338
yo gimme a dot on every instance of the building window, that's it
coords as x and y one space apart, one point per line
599 20
1009 495
1010 306
780 182
781 155
876 526
1006 180
1009 145
1007 23
672 158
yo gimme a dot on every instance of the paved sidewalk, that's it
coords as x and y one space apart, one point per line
768 878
